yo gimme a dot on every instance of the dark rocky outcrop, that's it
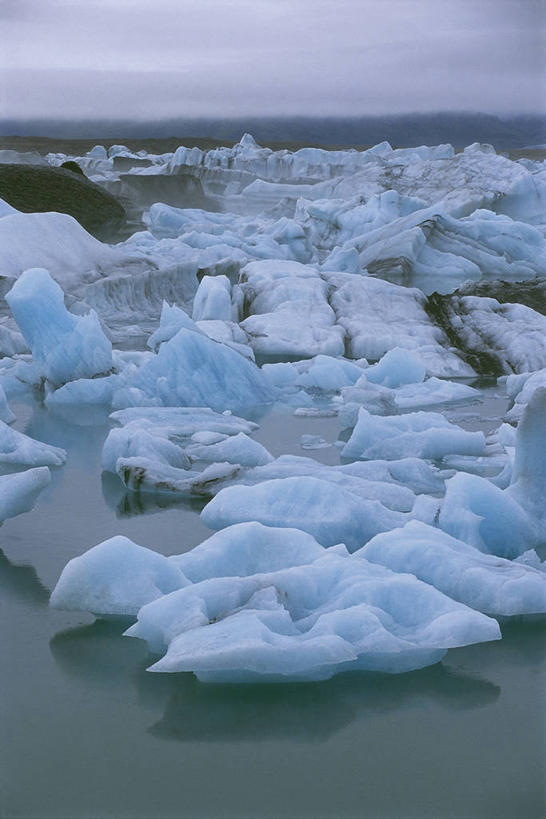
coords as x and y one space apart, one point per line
33 188
450 313
440 309
70 165
532 293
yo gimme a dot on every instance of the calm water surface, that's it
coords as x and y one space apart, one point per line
87 732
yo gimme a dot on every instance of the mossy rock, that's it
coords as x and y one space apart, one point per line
70 165
37 189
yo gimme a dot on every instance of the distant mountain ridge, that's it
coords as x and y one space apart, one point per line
459 129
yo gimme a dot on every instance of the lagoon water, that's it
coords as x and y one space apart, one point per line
88 732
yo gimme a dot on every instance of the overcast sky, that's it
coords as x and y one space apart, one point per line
146 59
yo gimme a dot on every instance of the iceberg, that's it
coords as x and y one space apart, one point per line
18 448
490 584
64 347
213 299
116 577
396 368
191 370
504 522
258 604
416 434
172 320
287 309
18 492
306 622
323 509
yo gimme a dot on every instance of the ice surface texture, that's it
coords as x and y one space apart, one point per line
415 434
255 603
490 584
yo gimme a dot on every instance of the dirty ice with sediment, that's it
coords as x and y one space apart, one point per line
398 295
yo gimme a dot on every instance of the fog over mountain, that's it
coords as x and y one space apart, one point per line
457 128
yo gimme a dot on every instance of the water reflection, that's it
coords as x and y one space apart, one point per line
128 504
196 712
310 712
22 582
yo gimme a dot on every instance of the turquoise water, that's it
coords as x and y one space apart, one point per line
87 732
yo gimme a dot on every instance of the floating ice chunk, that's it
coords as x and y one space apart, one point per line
322 372
397 367
90 391
172 320
246 549
326 510
378 316
213 299
417 434
508 338
307 622
17 448
18 492
313 442
490 584
116 577
156 447
385 401
133 440
193 371
64 346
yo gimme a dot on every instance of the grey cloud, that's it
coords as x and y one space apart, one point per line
135 58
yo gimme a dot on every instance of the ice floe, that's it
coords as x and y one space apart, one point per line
256 603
